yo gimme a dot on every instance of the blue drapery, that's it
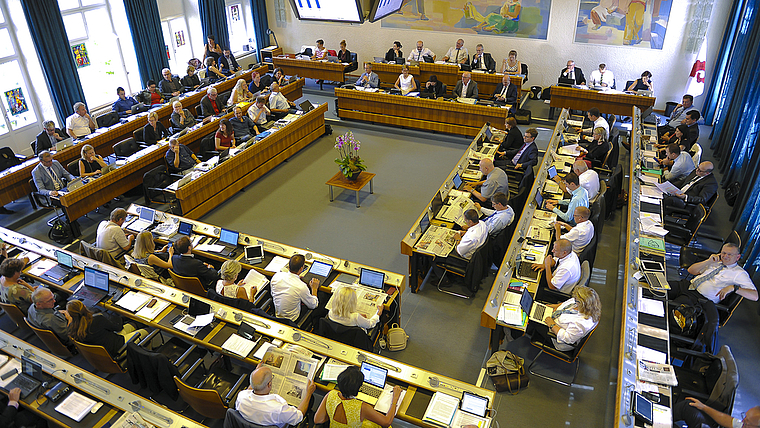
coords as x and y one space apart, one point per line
260 24
52 44
214 21
147 36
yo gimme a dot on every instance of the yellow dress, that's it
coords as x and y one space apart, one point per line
352 409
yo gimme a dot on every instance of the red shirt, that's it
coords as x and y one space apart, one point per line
155 98
224 141
216 108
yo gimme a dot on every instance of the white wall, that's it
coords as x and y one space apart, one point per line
545 58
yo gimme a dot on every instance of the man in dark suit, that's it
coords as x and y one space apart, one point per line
466 88
527 155
170 86
506 93
573 72
49 136
695 188
211 105
482 61
184 264
692 116
228 63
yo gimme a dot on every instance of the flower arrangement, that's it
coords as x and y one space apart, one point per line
348 160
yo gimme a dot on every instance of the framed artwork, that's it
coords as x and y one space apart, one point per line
235 12
639 23
80 55
179 38
16 101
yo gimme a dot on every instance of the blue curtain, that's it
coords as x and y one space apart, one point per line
717 85
214 21
147 37
260 24
52 44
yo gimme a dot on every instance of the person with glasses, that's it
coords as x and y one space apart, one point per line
695 414
50 176
49 137
696 188
43 315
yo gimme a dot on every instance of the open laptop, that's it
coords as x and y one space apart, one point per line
68 142
319 270
538 311
428 59
399 60
30 378
654 273
374 383
194 308
650 163
64 268
371 278
254 254
95 287
184 229
379 59
229 240
306 106
458 182
332 59
525 272
146 219
565 81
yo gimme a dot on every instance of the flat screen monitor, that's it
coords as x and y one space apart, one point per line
328 10
96 278
457 181
371 278
64 259
425 222
229 237
436 203
382 8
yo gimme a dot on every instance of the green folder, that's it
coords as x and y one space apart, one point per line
652 244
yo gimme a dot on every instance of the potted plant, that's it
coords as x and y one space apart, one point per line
349 162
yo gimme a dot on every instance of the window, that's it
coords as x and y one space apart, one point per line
237 27
177 39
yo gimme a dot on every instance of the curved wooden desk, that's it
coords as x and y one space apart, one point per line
585 99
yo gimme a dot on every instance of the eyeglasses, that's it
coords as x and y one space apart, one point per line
745 422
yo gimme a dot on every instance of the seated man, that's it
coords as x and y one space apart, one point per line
49 137
80 123
433 86
289 291
578 198
49 176
573 72
42 315
184 264
169 86
211 105
483 60
123 106
242 125
473 235
179 156
697 415
457 54
420 52
526 156
602 78
579 235
258 112
696 188
588 179
259 406
561 271
506 93
677 115
496 181
228 63
111 236
691 119
599 122
680 163
278 104
368 79
466 88
500 216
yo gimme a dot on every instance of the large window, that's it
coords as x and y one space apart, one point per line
177 40
236 27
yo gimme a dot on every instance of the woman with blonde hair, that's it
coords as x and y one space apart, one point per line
343 310
240 93
154 131
90 163
105 329
574 318
144 253
227 287
598 149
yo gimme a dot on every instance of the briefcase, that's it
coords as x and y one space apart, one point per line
507 372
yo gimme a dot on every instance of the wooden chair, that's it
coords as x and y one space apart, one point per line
206 397
50 340
188 284
16 316
101 360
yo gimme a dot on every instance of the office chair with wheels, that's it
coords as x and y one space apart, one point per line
233 419
472 271
524 71
212 396
101 360
155 187
73 168
39 200
189 284
50 340
352 336
614 187
17 317
500 243
713 379
571 359
126 148
208 148
517 202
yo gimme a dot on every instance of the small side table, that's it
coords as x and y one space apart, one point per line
342 182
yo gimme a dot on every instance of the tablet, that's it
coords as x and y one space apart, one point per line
643 408
474 404
652 266
552 171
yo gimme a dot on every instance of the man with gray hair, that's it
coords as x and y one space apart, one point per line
258 406
49 136
80 123
42 315
170 85
457 54
210 105
49 175
111 236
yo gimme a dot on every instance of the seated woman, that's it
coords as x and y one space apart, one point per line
513 139
257 83
181 118
341 407
394 52
191 81
240 93
344 312
678 137
154 130
212 73
91 164
278 76
13 289
321 51
145 253
597 149
511 65
405 81
433 86
224 137
105 329
574 318
227 287
642 84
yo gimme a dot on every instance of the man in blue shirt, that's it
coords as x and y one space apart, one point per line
179 156
368 79
578 198
500 216
123 106
681 164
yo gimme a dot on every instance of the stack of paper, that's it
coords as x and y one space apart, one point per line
134 300
239 345
441 409
76 406
657 373
277 264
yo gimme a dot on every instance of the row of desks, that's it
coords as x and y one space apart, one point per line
585 99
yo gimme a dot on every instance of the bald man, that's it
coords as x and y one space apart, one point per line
562 269
588 178
579 235
695 413
496 181
466 88
696 188
258 406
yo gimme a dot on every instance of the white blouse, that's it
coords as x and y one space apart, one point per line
406 84
355 320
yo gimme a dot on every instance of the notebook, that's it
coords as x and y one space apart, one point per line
254 254
319 270
229 240
184 229
64 267
94 289
68 142
371 278
29 379
374 383
539 311
146 219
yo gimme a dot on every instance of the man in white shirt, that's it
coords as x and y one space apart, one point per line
258 112
561 271
579 235
473 237
466 88
588 178
599 122
602 77
111 236
457 54
80 123
420 52
695 414
277 101
500 216
289 291
259 406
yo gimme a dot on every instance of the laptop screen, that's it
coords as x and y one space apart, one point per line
185 228
31 368
436 203
229 237
64 259
539 199
474 404
425 222
457 180
147 214
374 375
254 252
371 278
552 172
196 307
96 278
320 268
526 301
489 134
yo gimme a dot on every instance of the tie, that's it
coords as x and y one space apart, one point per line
504 92
696 282
56 180
601 78
457 57
689 184
516 159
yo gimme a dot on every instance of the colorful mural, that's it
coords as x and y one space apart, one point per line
640 23
80 55
16 101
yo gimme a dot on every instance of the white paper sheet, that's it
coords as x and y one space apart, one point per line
210 248
277 264
652 355
652 307
133 300
239 345
202 320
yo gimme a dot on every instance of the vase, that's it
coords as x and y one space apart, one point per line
354 176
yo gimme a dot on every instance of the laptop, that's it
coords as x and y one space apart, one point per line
195 308
565 81
30 378
75 184
654 273
95 287
306 106
319 270
64 268
379 59
371 278
474 404
538 311
229 240
184 229
332 59
424 223
374 383
254 254
399 60
650 163
524 271
146 219
457 181
428 58
68 142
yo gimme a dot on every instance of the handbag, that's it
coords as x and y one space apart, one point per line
397 338
507 372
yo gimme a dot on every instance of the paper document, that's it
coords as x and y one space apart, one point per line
668 187
463 418
657 373
291 372
210 248
330 372
441 409
151 313
437 240
239 345
42 266
652 307
512 315
202 320
76 406
263 350
648 179
134 300
652 355
277 264
384 402
653 331
572 150
651 191
663 417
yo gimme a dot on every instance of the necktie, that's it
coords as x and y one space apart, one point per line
517 156
56 180
457 57
696 282
691 183
504 92
601 78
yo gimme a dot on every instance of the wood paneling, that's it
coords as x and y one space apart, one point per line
323 70
584 99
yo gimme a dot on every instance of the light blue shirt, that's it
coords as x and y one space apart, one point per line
682 166
496 221
374 80
578 198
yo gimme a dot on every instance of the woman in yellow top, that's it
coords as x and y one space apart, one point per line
240 93
341 407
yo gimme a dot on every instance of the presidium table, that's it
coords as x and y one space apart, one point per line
607 102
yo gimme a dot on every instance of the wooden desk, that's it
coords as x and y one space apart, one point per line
339 180
388 73
418 113
585 99
321 70
487 83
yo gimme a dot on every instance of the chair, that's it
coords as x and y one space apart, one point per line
73 167
199 112
137 134
208 147
472 271
683 235
50 340
524 71
500 242
126 148
628 84
101 360
108 119
690 255
212 396
614 187
613 156
517 202
9 159
354 63
99 254
352 336
38 199
602 191
16 316
713 379
155 183
570 357
188 284
233 419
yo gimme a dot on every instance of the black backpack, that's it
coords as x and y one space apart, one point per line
60 232
685 319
